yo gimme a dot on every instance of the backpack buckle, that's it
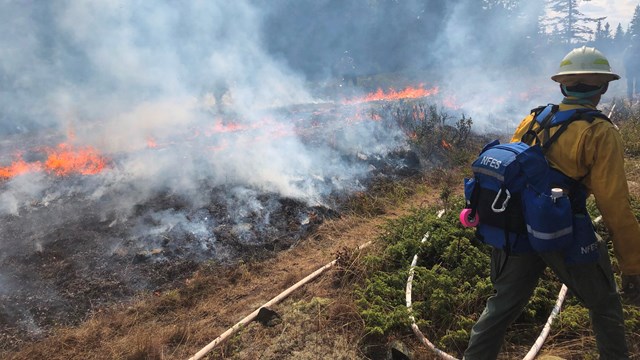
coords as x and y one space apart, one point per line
504 203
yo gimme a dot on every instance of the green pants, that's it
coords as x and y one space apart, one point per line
514 282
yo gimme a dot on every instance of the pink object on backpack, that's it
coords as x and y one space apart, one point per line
466 220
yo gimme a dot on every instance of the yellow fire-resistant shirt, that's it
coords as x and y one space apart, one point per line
594 151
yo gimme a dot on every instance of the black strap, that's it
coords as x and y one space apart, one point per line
507 254
531 136
473 202
507 245
580 114
547 144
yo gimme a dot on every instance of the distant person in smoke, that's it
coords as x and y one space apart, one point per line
220 92
631 58
347 70
590 153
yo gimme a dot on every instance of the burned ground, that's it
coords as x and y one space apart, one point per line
69 253
58 272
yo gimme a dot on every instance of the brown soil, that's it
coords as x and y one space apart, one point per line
176 323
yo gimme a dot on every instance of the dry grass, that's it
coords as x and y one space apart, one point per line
319 321
632 168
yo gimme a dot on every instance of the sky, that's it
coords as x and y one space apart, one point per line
616 11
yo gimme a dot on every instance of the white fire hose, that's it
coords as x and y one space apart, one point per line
537 345
554 312
235 328
534 349
547 326
416 330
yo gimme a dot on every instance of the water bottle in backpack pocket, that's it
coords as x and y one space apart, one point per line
549 219
584 247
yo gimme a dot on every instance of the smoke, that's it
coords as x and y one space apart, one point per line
65 64
206 83
232 103
185 97
495 73
485 56
197 80
20 190
114 62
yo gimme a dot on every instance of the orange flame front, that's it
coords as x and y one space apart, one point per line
65 160
18 167
408 93
61 160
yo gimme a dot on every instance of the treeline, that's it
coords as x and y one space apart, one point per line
390 35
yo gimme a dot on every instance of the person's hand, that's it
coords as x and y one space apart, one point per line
631 289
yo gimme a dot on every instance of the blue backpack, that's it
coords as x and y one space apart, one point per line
521 204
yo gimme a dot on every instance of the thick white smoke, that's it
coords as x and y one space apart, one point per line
180 98
495 78
121 74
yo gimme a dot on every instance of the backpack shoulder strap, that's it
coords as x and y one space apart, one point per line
590 115
568 117
542 115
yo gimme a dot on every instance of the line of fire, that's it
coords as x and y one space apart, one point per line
119 249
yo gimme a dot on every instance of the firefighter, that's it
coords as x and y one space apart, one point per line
592 153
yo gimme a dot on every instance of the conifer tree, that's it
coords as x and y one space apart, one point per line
619 35
634 25
602 38
599 34
571 23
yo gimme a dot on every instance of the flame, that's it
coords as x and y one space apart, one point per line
18 167
65 160
446 145
451 102
61 160
151 143
408 93
220 127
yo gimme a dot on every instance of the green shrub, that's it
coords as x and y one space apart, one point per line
450 286
433 133
451 279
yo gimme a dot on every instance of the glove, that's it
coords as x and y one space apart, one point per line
631 289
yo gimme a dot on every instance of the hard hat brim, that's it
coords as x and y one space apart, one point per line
559 76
